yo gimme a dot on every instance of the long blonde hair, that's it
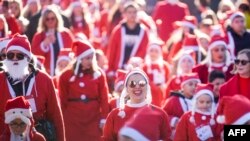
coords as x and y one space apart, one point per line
54 9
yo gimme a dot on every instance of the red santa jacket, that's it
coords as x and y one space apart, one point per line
188 131
165 26
84 103
202 70
175 106
42 98
235 86
113 103
158 77
115 51
114 122
65 40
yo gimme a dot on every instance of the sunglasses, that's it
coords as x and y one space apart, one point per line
50 19
19 56
242 62
141 83
16 125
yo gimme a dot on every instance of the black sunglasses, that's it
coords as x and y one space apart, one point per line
141 83
19 56
243 62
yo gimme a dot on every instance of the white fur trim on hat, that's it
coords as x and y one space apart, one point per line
188 24
192 48
63 58
192 79
3 44
216 43
85 53
20 48
23 114
202 92
132 133
242 120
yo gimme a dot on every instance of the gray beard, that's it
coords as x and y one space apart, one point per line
16 71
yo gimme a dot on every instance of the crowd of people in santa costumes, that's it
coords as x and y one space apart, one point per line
98 69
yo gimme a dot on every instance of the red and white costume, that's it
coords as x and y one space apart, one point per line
84 98
65 40
12 112
198 125
165 19
115 122
157 127
116 48
204 69
40 91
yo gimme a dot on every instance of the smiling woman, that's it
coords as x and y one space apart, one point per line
240 83
137 88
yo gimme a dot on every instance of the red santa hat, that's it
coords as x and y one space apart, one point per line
233 110
215 41
189 77
136 128
81 49
65 54
188 21
124 91
3 43
20 43
18 107
77 3
120 77
203 89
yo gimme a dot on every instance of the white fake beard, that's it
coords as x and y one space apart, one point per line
16 69
172 2
58 71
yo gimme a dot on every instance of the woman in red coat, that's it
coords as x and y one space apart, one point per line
240 83
84 95
136 86
218 58
51 38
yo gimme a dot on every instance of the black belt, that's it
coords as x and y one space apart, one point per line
86 100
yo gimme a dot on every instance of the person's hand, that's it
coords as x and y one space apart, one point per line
50 39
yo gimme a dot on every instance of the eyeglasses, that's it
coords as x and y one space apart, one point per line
243 62
50 18
2 56
141 83
16 125
19 56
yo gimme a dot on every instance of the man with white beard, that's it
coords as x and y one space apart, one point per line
20 78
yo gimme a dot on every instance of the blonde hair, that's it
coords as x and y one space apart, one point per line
54 9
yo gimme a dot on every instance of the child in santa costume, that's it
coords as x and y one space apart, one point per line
84 95
179 102
51 38
233 110
218 58
21 78
184 66
19 122
137 88
240 82
198 124
158 71
119 85
156 127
